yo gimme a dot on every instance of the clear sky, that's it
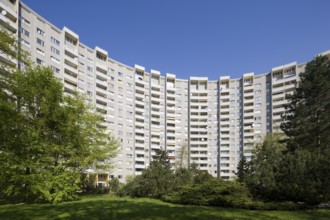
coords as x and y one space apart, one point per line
197 37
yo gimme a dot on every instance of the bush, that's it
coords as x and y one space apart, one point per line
213 192
114 185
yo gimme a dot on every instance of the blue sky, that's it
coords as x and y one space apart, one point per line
197 37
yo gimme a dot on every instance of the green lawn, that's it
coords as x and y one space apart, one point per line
106 207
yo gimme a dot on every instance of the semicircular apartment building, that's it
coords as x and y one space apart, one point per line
208 122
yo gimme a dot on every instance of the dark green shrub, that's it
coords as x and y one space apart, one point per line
214 192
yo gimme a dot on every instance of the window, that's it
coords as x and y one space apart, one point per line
55 60
55 41
25 43
41 52
120 74
54 69
90 69
40 42
24 21
54 50
25 32
40 62
40 32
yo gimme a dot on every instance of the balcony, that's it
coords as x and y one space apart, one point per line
71 61
139 166
138 123
70 78
278 110
248 114
72 49
8 23
70 69
8 59
140 103
277 117
101 98
139 152
70 87
101 82
278 89
138 144
101 64
140 159
141 117
224 122
139 138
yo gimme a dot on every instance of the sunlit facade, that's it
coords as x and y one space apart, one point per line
208 122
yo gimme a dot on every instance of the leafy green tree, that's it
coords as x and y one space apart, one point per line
263 168
114 185
48 139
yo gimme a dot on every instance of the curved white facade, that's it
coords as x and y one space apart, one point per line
196 120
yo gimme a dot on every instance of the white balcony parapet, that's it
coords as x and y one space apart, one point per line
248 74
71 33
155 72
170 75
284 66
140 68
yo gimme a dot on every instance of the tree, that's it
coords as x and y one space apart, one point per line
307 130
242 169
182 156
307 126
9 50
48 139
155 181
263 168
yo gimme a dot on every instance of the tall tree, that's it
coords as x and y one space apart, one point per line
46 139
307 129
307 125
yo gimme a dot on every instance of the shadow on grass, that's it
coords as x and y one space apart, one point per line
119 208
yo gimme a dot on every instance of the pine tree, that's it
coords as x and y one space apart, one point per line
242 169
307 125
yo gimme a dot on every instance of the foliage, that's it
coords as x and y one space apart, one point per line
302 178
308 124
47 139
114 185
296 167
261 173
154 181
242 169
159 178
307 129
214 192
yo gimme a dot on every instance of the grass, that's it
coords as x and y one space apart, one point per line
107 207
